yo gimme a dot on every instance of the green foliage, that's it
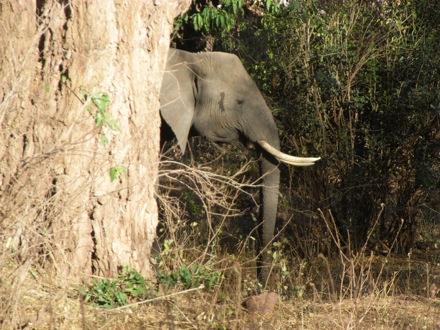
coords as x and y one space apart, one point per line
217 18
102 118
99 111
171 273
356 76
129 286
356 83
193 205
270 6
100 114
116 171
207 17
188 277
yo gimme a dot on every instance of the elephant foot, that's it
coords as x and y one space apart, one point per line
261 308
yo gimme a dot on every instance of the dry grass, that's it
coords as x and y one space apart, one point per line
343 290
35 302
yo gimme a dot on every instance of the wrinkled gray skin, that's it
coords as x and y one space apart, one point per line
213 93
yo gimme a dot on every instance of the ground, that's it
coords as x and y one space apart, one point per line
384 293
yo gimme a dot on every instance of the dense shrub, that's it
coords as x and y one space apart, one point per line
357 83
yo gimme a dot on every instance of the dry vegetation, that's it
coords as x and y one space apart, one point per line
208 212
332 287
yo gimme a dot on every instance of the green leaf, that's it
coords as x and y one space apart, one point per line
197 21
113 124
116 171
101 100
104 139
235 5
98 119
223 24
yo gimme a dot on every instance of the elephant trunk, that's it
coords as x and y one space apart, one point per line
269 195
266 138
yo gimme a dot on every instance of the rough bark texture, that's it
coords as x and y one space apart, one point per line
58 205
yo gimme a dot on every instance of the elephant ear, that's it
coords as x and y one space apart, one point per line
177 102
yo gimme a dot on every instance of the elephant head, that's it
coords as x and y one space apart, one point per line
213 93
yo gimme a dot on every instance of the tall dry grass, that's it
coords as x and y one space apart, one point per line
330 287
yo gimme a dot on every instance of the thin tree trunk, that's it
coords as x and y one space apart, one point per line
58 204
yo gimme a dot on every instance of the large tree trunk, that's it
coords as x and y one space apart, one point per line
58 204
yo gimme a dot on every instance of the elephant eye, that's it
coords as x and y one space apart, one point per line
240 102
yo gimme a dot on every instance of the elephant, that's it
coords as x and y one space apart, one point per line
212 93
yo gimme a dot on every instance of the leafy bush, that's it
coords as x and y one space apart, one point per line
207 17
351 84
106 293
190 277
131 287
356 83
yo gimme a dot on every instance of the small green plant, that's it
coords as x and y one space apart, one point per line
102 118
99 112
190 277
101 100
106 293
193 204
116 171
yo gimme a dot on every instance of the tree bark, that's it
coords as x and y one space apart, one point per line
58 204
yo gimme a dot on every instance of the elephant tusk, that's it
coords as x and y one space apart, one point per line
288 159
